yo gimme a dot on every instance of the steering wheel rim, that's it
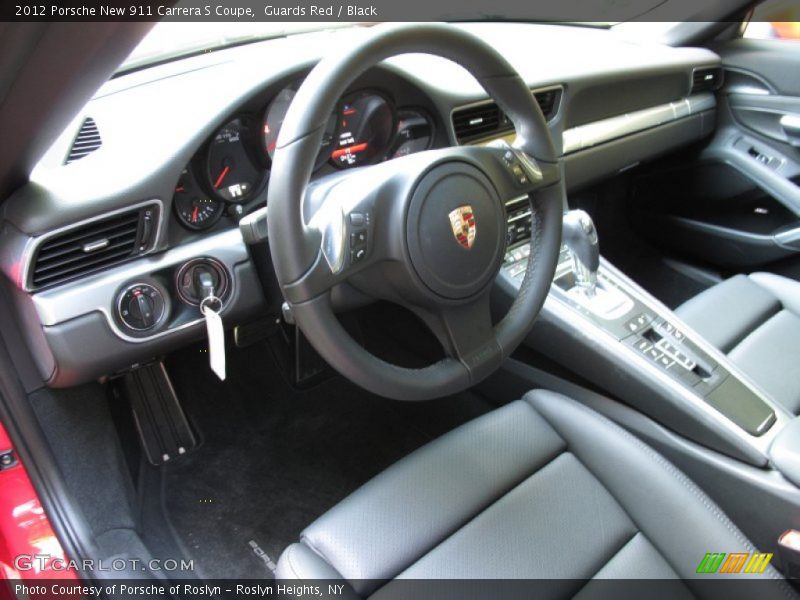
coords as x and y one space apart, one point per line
309 222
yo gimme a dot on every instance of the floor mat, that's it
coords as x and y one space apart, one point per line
272 459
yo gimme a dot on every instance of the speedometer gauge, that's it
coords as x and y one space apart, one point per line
194 209
231 173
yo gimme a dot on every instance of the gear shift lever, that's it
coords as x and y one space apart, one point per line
580 236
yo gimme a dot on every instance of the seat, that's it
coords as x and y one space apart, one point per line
755 320
541 488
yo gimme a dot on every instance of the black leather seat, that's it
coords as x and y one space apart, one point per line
755 320
541 488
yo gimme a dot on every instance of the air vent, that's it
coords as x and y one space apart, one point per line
87 141
93 247
706 80
487 120
477 122
548 102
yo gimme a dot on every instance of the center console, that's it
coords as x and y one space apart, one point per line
630 344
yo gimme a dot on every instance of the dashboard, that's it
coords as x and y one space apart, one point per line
232 168
139 200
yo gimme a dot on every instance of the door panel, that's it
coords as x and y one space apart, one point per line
775 61
736 204
767 115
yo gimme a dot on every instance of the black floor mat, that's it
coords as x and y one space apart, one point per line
273 459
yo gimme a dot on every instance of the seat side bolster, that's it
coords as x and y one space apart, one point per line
728 312
682 522
299 562
769 357
786 290
387 524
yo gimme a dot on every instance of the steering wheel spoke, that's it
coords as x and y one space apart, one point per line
467 334
343 215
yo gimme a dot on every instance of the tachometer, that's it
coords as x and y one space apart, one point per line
276 113
366 127
194 209
231 173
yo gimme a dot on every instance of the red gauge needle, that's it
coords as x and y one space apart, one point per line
354 149
221 177
194 215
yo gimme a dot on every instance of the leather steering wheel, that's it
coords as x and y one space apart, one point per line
435 221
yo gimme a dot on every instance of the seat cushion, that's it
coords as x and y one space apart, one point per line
542 488
755 320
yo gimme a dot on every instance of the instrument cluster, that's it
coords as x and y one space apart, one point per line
233 167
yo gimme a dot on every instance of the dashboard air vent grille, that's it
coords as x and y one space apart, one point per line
487 120
91 247
476 121
548 102
706 80
87 141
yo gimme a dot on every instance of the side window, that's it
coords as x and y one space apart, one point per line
775 20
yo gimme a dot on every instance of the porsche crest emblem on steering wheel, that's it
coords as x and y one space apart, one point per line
462 221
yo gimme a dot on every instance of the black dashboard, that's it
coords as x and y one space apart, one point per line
100 250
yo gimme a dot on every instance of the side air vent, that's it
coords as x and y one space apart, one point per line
87 141
706 80
92 247
487 120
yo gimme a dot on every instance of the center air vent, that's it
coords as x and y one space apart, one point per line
477 122
706 80
486 120
94 246
548 102
87 141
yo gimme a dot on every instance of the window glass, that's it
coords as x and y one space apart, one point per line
775 20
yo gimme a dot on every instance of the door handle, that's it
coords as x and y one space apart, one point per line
791 127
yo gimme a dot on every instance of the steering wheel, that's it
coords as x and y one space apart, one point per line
428 230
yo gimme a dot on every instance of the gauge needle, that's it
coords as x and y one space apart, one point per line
220 177
354 149
194 215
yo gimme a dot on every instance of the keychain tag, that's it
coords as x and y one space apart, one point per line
216 337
